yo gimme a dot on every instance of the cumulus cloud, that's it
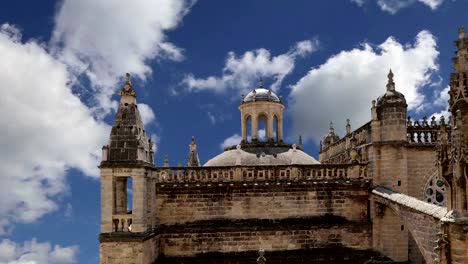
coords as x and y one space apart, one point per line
146 113
105 39
33 252
344 86
393 6
47 130
241 72
236 139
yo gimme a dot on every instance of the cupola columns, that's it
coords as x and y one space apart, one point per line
261 106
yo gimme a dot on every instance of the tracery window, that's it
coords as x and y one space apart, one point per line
435 191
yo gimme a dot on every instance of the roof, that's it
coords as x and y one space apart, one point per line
255 156
261 94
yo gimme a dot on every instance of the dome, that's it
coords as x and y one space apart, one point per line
391 97
261 94
261 156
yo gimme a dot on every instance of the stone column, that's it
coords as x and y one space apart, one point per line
107 200
280 128
139 201
254 128
270 128
244 127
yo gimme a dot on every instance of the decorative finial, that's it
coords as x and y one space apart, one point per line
390 84
193 139
461 32
166 161
261 83
128 81
348 126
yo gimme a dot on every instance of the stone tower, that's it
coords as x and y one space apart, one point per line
125 165
453 157
388 167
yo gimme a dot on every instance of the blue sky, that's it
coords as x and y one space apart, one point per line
63 61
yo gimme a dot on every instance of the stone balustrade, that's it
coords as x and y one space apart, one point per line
339 150
425 132
122 222
293 173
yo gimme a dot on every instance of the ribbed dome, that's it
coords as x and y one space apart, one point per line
262 156
391 96
261 94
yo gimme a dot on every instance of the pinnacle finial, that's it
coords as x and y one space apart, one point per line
128 81
391 83
261 83
193 139
461 32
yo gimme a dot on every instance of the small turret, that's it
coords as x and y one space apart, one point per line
193 159
390 109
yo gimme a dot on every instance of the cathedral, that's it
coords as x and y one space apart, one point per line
394 190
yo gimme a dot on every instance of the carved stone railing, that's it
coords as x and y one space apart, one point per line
425 132
286 173
122 222
338 152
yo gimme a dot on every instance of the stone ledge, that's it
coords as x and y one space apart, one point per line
433 210
126 236
226 225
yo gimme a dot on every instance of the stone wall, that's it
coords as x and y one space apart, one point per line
129 250
190 242
176 205
421 166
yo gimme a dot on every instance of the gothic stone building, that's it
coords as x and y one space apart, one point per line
393 190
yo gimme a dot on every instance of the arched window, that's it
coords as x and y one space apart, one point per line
248 127
262 127
435 191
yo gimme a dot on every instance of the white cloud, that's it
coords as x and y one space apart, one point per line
443 97
105 39
393 6
46 130
211 117
236 139
33 252
240 73
344 86
146 113
231 141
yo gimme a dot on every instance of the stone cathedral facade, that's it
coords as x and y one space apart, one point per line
394 190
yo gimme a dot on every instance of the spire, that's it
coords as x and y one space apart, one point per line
459 76
331 129
299 144
128 87
390 83
461 32
348 127
193 160
166 161
261 83
128 140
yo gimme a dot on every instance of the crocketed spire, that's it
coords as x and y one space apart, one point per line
193 159
128 141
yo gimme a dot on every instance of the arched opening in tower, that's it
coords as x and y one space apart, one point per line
248 125
262 128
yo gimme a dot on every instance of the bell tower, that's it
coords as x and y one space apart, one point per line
126 184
